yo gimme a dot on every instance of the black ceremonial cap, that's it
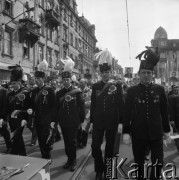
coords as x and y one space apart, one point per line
149 58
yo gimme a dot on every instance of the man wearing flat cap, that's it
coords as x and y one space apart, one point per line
43 105
146 117
71 113
106 114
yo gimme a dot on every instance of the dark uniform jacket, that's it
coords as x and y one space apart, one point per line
43 104
174 110
107 109
146 112
72 113
19 100
3 99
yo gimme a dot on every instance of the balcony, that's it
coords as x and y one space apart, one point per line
53 18
28 30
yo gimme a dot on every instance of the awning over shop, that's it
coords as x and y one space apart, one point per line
4 66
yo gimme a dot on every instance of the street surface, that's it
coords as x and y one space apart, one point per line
85 170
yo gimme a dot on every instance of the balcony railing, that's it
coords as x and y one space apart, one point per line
28 30
52 17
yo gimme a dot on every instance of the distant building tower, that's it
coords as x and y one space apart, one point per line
169 56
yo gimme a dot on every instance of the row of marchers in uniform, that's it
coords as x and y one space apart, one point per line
69 106
107 107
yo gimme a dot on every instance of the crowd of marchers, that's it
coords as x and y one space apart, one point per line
141 113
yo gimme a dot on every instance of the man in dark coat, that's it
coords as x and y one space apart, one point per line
105 115
3 120
43 104
18 102
146 117
71 114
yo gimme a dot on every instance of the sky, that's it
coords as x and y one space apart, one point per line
144 17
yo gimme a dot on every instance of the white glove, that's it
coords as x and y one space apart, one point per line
52 124
1 123
23 122
167 139
126 139
29 111
91 127
120 127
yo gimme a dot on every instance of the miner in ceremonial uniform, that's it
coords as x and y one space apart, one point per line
3 120
146 116
71 113
106 114
43 104
18 102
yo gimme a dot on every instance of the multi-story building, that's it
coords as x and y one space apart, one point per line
169 55
45 29
78 37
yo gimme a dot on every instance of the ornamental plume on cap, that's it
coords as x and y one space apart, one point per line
43 66
69 65
149 58
104 56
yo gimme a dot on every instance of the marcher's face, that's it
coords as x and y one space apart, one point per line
15 85
82 84
175 91
39 81
105 75
53 84
145 76
10 88
66 82
173 74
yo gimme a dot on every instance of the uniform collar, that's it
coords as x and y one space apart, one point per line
145 85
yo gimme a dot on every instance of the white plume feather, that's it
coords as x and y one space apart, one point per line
69 65
104 56
43 66
73 78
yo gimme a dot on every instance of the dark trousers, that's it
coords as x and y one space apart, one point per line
97 140
43 132
82 137
32 128
70 136
6 135
18 146
139 147
117 143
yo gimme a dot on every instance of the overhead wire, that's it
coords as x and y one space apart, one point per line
128 31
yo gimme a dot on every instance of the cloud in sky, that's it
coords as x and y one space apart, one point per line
145 16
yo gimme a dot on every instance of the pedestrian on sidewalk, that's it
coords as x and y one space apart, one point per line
71 114
146 117
106 114
43 105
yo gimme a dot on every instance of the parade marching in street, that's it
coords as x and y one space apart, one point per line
69 110
109 109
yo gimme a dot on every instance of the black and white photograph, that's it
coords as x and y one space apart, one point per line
89 89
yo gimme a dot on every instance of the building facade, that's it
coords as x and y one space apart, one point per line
168 67
44 29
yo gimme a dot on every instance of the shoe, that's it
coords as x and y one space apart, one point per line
99 176
73 167
67 165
